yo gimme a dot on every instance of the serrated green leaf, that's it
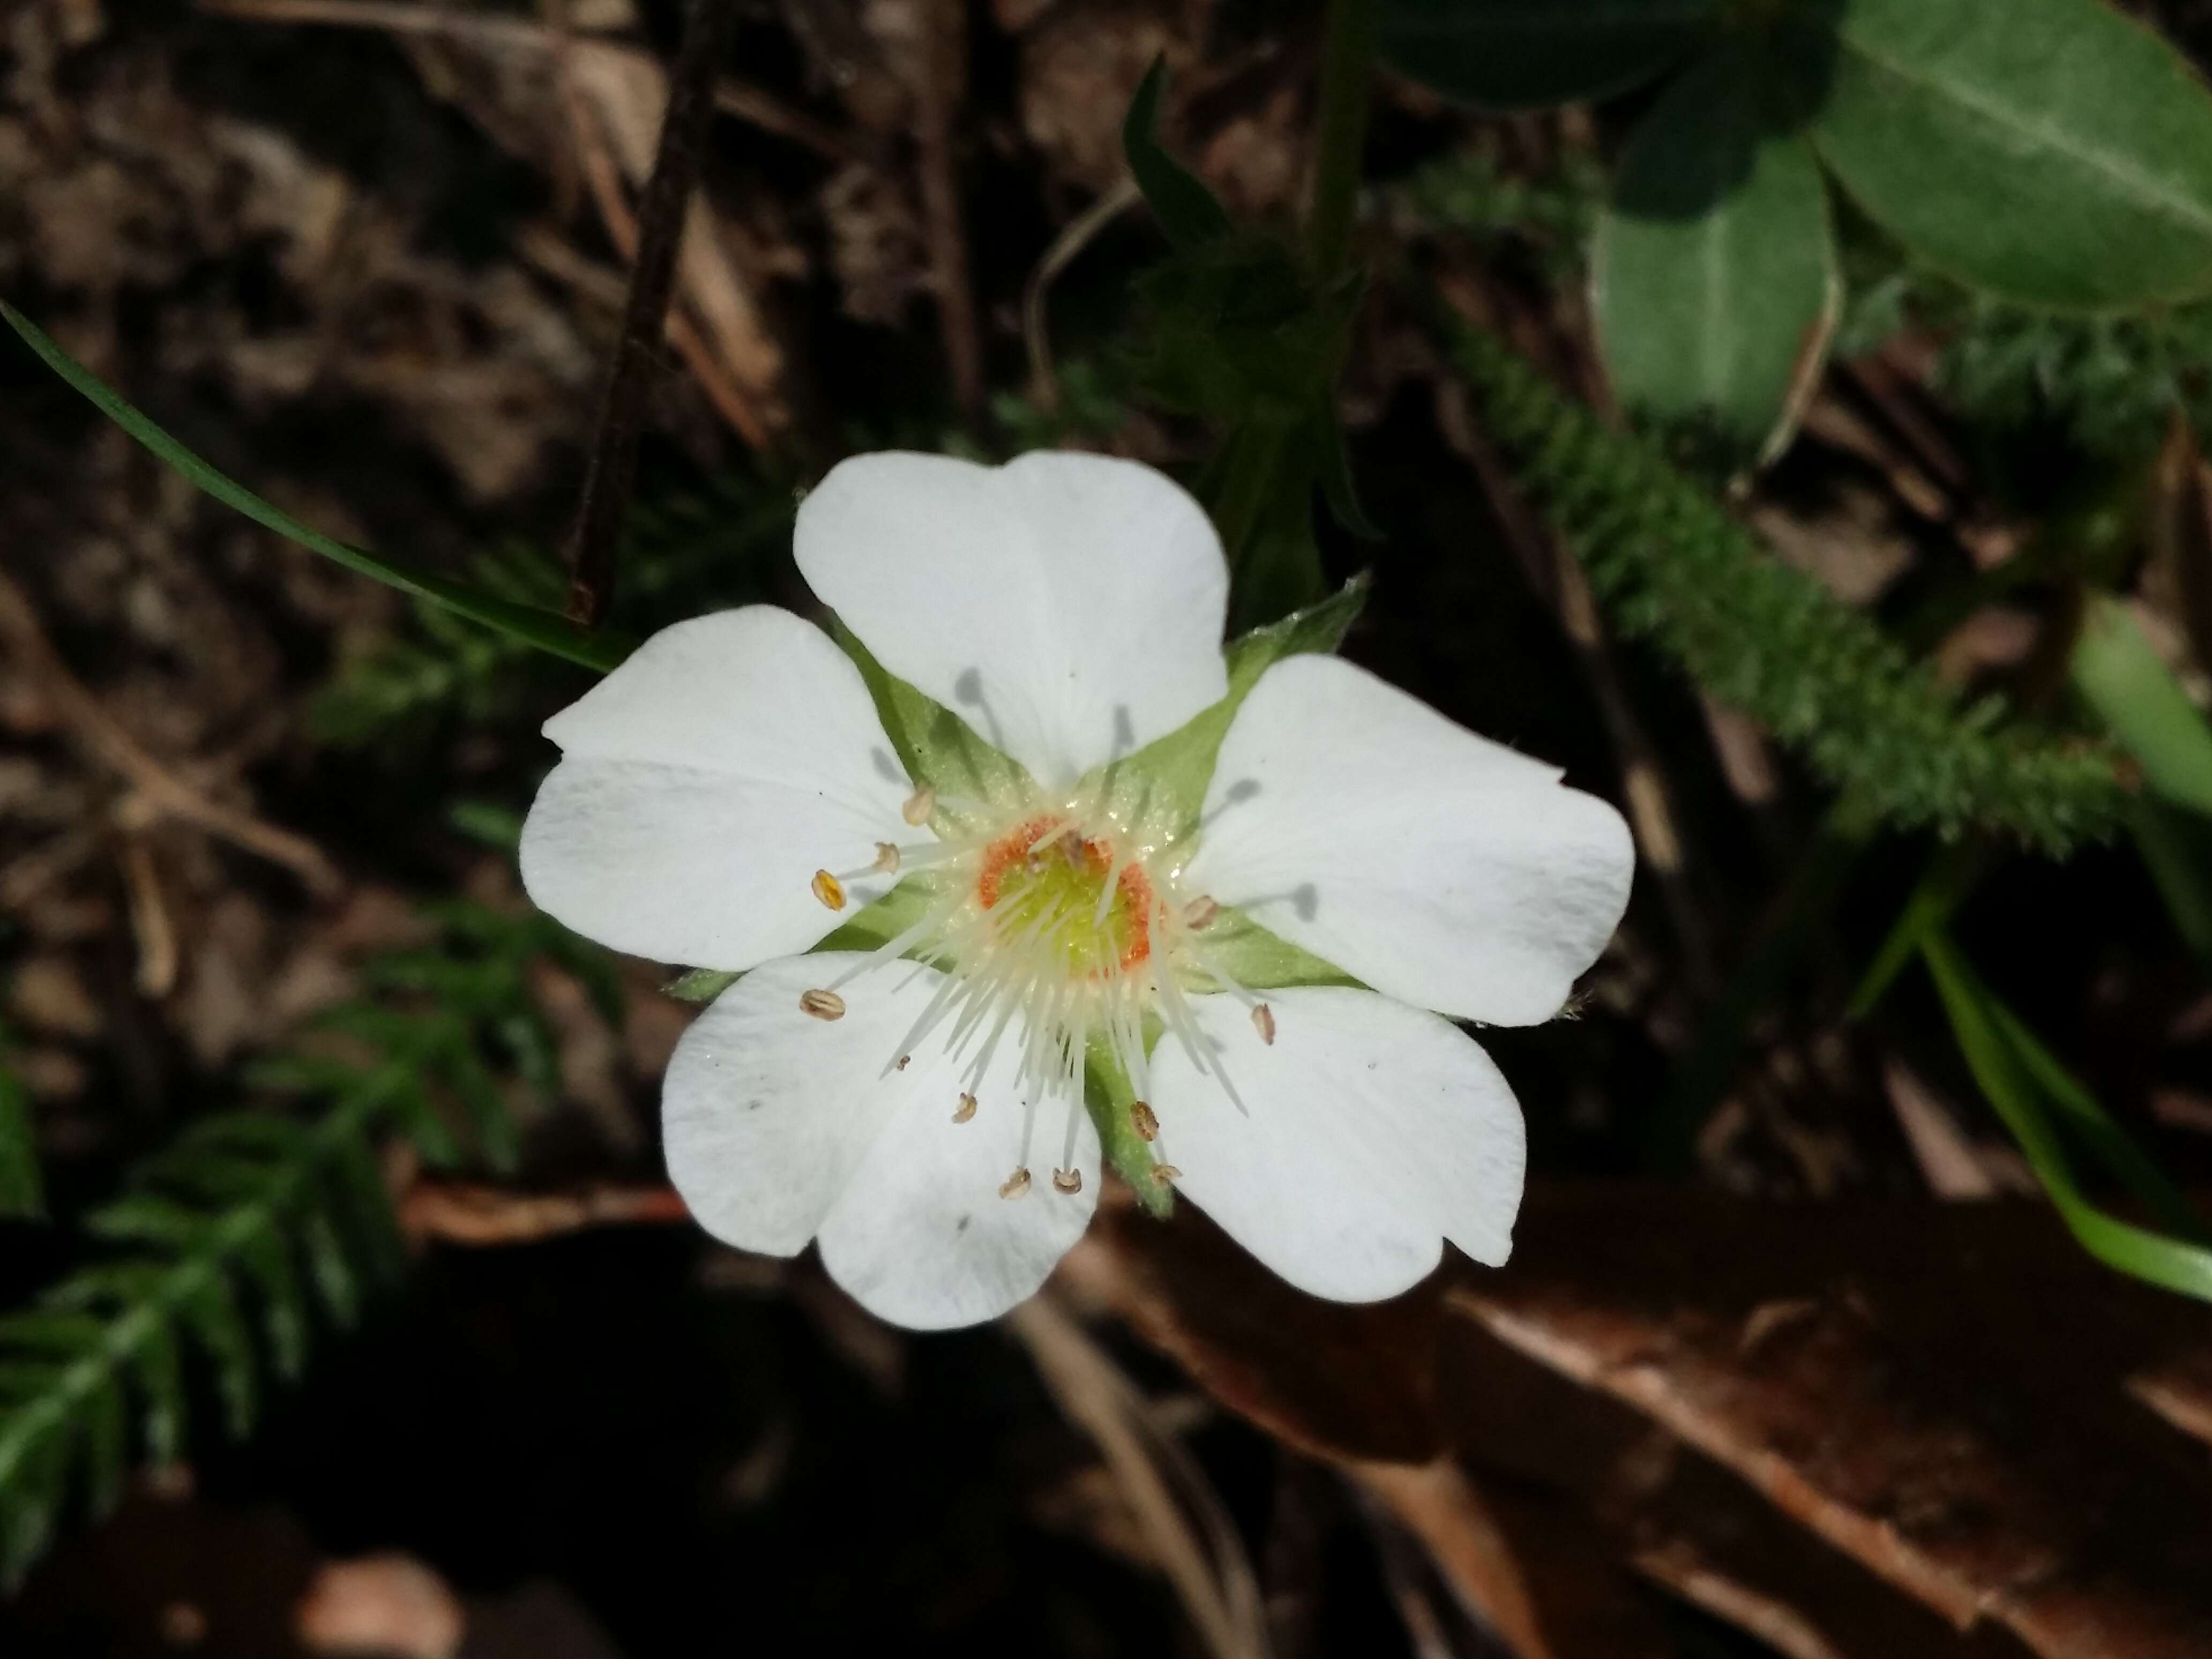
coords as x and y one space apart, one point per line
1187 211
147 1218
210 1310
418 1118
53 1332
497 1135
330 1266
541 629
1531 54
264 1256
1713 275
103 1437
2121 676
158 1373
2052 151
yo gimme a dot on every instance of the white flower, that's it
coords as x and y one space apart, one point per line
728 797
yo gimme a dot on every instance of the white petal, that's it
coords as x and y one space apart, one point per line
780 1127
1439 868
1068 606
703 783
1372 1131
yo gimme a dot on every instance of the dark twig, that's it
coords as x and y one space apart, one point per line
613 464
941 68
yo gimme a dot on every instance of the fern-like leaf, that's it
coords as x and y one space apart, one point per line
1676 568
233 1240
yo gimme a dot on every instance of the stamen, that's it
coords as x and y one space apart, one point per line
1015 1184
966 1109
887 858
1263 1022
902 1064
828 889
823 1004
1199 912
1143 1119
1068 1181
1164 1173
918 805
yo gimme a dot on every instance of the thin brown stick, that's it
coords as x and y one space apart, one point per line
603 175
943 49
1222 1601
459 1213
150 919
612 467
104 736
1076 235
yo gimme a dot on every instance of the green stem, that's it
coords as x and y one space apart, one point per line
541 629
1346 77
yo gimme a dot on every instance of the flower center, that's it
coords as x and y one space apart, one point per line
1057 929
1047 877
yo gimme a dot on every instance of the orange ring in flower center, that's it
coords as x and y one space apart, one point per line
1036 839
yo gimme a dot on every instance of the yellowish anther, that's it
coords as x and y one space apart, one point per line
887 858
1263 1022
823 1004
1068 1181
1164 1173
918 805
965 1110
828 889
1144 1122
1199 912
1015 1184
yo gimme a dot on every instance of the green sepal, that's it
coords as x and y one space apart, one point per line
935 744
1107 1095
701 984
1163 786
1187 211
1261 961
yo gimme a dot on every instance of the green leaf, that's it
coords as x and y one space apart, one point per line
264 1256
2121 676
1985 1035
210 1308
541 629
2177 849
1187 211
1530 54
1163 786
1713 274
22 1191
2053 151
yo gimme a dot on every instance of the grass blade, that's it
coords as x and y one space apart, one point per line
541 629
